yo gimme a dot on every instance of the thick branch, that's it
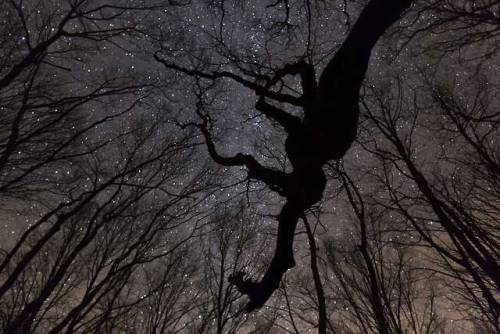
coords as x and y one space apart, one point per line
289 122
260 292
275 179
344 74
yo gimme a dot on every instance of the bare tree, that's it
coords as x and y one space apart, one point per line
324 132
102 173
458 194
469 29
112 223
230 245
166 301
109 226
378 273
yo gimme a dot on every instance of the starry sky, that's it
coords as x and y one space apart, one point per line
412 73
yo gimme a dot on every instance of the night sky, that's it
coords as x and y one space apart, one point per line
130 199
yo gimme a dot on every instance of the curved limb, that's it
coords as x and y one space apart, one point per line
276 180
260 292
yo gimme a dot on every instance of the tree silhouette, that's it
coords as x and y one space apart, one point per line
113 221
324 133
463 202
77 163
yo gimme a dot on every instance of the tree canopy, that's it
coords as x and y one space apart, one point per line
250 166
